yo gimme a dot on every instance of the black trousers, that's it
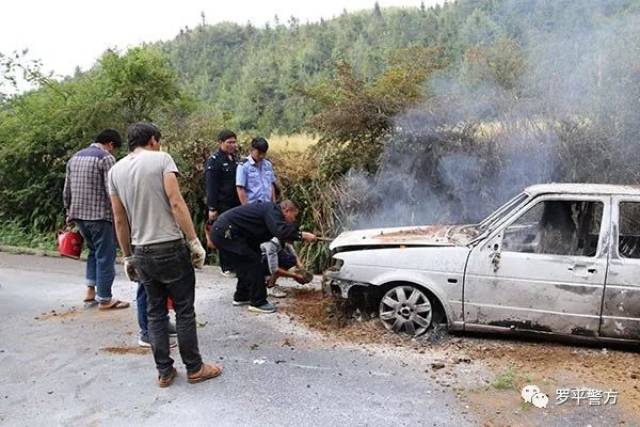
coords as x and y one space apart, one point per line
245 258
225 264
165 270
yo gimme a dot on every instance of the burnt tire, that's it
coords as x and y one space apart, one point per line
406 310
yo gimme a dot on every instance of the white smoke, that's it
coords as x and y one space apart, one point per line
572 115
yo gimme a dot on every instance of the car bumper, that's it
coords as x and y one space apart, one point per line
338 287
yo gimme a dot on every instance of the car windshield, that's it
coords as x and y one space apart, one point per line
489 222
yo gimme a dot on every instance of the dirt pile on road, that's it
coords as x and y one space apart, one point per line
125 350
58 314
338 320
316 310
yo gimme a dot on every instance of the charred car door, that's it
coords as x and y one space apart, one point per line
543 270
621 303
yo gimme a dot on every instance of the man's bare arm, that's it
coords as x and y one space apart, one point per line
242 195
178 206
123 232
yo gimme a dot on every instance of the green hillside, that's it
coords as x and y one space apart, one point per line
256 76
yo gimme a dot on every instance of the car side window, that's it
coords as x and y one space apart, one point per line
556 227
629 230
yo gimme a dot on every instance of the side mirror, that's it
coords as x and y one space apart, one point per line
493 245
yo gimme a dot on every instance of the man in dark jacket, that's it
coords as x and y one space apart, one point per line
238 234
220 182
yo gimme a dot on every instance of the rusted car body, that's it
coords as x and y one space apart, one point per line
556 259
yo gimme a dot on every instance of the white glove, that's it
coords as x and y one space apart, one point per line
198 253
130 269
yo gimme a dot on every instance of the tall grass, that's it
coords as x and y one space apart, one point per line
12 234
297 143
301 179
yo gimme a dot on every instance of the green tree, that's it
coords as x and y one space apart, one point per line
355 115
502 64
41 129
140 82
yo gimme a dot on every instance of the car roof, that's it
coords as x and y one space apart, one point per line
570 188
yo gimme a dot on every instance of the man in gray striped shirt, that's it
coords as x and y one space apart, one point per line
88 205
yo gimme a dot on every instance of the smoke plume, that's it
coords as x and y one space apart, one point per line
559 104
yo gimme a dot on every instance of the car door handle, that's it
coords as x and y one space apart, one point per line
582 270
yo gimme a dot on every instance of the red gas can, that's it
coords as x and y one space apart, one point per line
69 244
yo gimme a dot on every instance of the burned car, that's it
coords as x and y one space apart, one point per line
556 259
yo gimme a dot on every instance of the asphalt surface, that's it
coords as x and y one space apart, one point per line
54 369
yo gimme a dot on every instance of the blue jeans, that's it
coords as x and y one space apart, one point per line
141 303
101 241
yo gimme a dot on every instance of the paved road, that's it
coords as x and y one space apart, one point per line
54 369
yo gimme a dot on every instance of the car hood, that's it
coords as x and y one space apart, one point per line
426 235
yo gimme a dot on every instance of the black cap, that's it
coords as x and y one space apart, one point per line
260 144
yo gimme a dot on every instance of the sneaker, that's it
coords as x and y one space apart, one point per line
172 330
206 372
168 380
229 274
241 302
145 343
264 308
277 292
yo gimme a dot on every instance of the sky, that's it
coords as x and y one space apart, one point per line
69 33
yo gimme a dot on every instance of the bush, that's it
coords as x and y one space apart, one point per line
12 234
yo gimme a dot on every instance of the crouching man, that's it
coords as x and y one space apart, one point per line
238 234
278 259
152 222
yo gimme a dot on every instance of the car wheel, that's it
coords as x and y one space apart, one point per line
406 310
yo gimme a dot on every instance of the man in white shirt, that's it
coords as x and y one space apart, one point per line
152 222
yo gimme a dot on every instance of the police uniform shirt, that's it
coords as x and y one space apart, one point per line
257 223
220 181
257 179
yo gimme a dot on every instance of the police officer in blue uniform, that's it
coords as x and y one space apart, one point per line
255 177
220 180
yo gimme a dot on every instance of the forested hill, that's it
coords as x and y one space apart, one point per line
254 76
